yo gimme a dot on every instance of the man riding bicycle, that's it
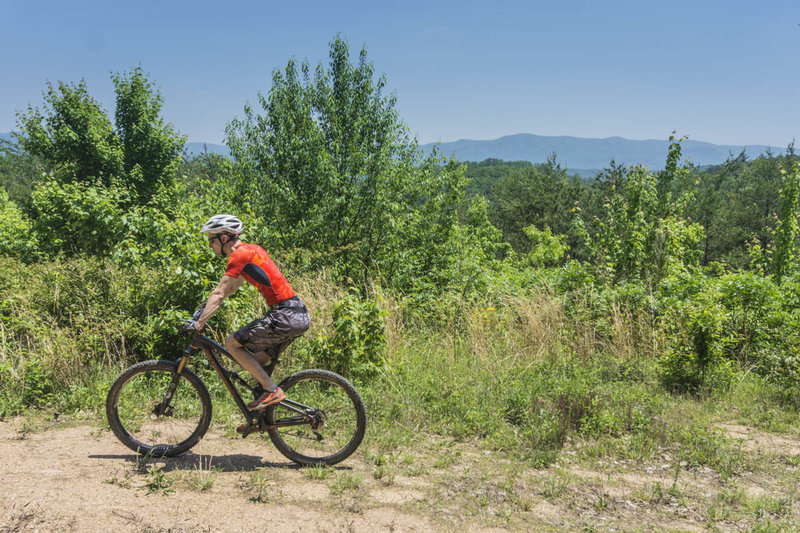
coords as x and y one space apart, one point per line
254 345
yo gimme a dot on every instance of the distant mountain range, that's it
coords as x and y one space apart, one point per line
198 148
581 155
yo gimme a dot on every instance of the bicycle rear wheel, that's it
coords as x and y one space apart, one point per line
153 411
334 418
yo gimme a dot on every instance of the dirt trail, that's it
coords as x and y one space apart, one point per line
81 478
70 476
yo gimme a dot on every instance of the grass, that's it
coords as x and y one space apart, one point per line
260 487
203 477
317 471
345 482
555 485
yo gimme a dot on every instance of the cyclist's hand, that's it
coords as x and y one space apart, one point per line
190 326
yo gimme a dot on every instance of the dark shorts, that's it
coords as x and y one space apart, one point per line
284 322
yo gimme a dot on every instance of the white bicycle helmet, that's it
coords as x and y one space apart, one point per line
223 223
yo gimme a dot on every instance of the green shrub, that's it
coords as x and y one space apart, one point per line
698 326
11 401
37 385
77 217
355 348
17 238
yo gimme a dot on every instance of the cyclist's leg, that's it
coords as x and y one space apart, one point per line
249 362
263 357
265 337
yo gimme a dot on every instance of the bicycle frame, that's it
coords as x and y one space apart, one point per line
208 346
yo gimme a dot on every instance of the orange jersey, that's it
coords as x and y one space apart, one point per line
255 264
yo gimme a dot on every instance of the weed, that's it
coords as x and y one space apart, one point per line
766 506
732 496
768 526
203 478
483 500
722 506
141 461
345 482
318 471
601 503
517 494
675 492
656 493
415 470
541 459
446 459
125 482
555 485
157 481
385 473
26 427
379 459
407 459
260 487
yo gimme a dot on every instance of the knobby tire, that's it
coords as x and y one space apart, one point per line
134 398
343 407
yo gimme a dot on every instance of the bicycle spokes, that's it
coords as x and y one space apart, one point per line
321 419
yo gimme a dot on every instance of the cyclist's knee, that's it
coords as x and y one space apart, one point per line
231 342
262 357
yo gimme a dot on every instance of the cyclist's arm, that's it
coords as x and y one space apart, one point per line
226 287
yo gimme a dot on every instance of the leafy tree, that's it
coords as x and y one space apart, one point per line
750 215
17 238
540 196
96 171
72 135
77 142
206 168
78 217
483 175
480 251
641 235
787 230
18 172
546 249
151 148
710 205
333 169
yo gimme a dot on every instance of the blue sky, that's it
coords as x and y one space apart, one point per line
719 71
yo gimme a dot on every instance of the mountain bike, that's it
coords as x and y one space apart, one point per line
162 408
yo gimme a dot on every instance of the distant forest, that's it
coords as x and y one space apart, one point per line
736 202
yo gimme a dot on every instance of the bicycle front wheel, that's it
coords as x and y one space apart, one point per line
154 411
332 423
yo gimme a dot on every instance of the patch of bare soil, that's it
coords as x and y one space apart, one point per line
760 442
81 478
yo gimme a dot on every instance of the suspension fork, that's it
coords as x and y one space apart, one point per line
173 385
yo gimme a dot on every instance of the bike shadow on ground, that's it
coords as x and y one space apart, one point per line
235 462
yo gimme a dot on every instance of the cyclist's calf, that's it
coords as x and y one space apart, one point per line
249 362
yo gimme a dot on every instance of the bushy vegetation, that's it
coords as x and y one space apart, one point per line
523 308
